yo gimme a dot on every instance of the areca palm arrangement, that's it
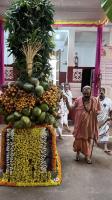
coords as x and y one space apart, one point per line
30 36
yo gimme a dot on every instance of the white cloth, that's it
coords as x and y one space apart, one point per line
106 107
104 133
63 112
69 96
61 108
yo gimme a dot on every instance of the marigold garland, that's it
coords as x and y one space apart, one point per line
3 145
51 129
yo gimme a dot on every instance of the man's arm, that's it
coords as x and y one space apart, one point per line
71 106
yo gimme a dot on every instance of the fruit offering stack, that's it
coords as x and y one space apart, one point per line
28 104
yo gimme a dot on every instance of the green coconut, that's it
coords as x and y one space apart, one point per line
26 121
44 107
45 85
19 124
39 90
26 111
10 118
17 115
49 119
34 81
28 87
36 112
42 117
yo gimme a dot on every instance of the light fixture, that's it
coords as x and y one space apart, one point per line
57 36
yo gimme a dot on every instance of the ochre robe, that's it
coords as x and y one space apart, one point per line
85 125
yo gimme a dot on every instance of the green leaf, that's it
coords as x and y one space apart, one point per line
30 21
107 7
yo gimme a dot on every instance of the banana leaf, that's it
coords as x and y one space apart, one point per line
107 7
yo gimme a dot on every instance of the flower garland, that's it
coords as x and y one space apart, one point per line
43 165
3 146
54 151
9 150
57 181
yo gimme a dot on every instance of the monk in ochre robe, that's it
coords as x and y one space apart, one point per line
85 131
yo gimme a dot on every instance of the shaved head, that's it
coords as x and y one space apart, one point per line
85 88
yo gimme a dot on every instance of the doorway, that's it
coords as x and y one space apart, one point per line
86 77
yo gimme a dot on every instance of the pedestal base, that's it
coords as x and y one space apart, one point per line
30 157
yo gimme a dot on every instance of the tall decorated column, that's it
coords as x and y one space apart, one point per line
71 49
71 55
1 52
110 39
98 59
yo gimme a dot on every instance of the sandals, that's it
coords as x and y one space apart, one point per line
108 152
89 161
77 158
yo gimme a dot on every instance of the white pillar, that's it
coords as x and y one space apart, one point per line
53 71
64 60
110 42
71 47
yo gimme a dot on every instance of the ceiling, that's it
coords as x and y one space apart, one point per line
74 10
86 10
